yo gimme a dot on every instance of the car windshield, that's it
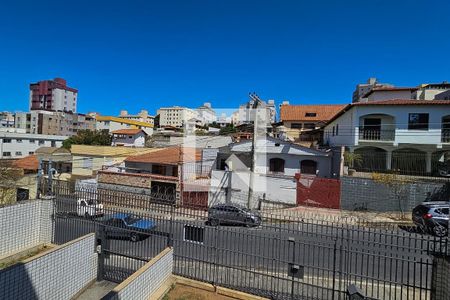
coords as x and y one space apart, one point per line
131 219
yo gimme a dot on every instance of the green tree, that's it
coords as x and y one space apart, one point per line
89 137
227 129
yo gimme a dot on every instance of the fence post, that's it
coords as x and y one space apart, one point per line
101 236
292 241
334 269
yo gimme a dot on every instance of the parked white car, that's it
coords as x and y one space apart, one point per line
89 208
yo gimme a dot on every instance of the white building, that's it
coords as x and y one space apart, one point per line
6 119
175 116
433 91
363 88
128 138
206 114
247 112
410 136
142 116
114 123
53 95
18 145
387 93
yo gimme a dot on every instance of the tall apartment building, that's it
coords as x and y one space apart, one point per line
175 116
53 95
206 114
142 116
53 122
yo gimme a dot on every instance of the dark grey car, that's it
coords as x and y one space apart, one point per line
232 214
432 217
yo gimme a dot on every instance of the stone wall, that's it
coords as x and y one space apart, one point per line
24 225
134 180
147 280
59 273
366 194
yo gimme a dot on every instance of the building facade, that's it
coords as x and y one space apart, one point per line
363 88
6 119
176 116
142 116
298 120
408 136
248 112
53 122
206 114
114 123
128 138
53 95
18 145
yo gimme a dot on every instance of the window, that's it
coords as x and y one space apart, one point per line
18 153
296 125
418 121
6 153
32 141
308 167
130 136
6 140
41 142
309 126
18 140
334 131
30 153
310 114
276 165
337 129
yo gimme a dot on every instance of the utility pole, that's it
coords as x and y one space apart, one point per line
254 108
50 177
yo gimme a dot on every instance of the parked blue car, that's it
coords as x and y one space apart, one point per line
123 225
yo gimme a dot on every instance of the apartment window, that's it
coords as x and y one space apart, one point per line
53 144
418 121
18 153
7 154
6 140
41 142
296 125
310 114
276 165
130 136
32 141
30 153
309 126
18 140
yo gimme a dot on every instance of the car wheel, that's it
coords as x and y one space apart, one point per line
134 237
249 222
214 222
440 231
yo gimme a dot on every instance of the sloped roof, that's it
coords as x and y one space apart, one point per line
52 150
299 112
389 89
30 163
128 131
168 156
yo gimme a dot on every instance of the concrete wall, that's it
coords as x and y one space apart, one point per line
366 193
440 289
271 188
24 225
59 273
147 280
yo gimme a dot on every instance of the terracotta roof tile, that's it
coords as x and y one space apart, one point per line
128 131
403 102
299 112
168 156
27 163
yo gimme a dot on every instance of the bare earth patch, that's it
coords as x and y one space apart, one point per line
184 292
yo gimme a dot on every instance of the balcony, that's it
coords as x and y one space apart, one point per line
376 134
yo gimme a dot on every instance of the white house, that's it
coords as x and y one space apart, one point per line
19 145
275 164
128 138
410 136
206 114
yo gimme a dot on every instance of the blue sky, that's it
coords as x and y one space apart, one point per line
147 54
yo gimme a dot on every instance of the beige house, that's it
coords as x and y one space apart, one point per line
88 160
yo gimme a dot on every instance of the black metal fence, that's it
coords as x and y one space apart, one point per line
286 257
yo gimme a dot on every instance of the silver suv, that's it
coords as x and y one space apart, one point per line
232 214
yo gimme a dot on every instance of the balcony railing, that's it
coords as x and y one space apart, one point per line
445 136
376 135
